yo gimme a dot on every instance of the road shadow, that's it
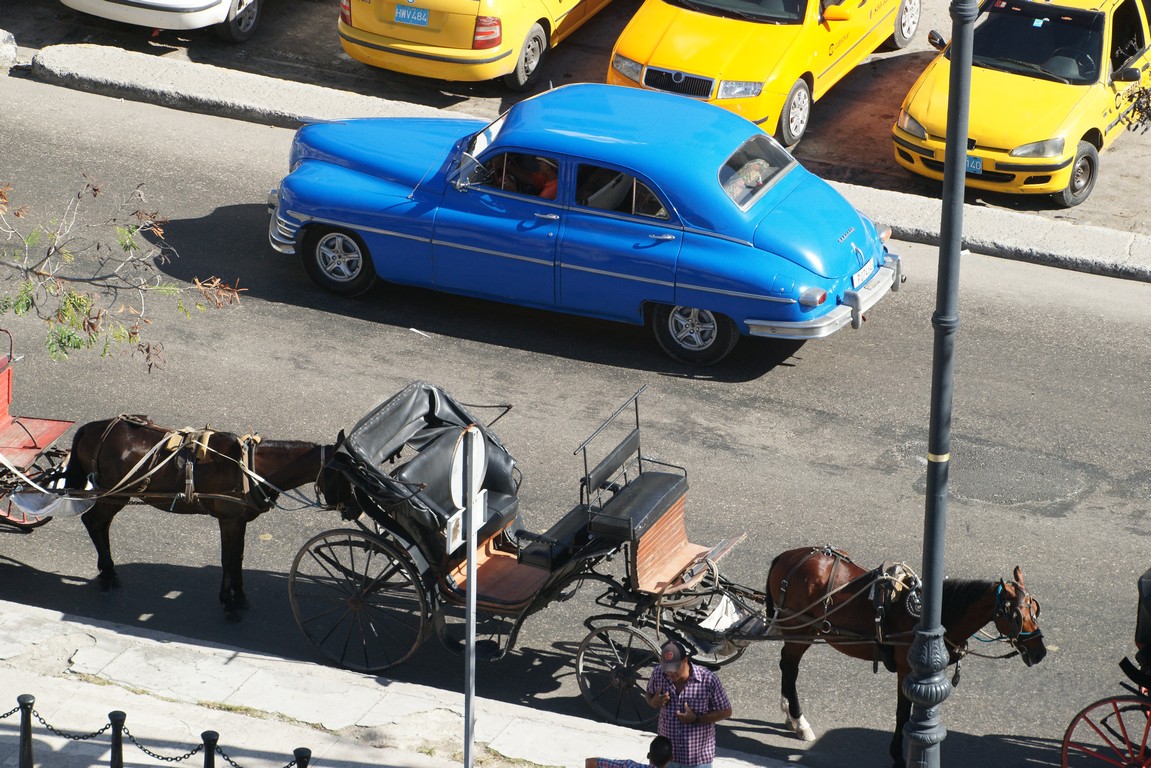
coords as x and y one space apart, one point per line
230 243
868 749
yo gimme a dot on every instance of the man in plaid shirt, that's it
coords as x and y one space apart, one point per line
658 756
691 700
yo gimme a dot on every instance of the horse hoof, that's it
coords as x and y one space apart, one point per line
801 728
233 616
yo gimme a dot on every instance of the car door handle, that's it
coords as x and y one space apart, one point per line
548 216
662 237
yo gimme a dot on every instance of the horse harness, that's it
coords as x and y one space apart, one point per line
894 586
184 448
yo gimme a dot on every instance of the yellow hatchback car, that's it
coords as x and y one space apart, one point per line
466 40
1051 86
767 60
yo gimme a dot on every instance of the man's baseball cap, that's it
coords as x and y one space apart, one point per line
672 655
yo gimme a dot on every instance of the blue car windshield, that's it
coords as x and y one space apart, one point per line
763 11
753 168
1038 40
486 136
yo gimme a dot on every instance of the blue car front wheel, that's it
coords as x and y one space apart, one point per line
696 336
338 261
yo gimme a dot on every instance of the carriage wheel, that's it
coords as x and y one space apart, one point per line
1111 731
46 471
358 599
613 667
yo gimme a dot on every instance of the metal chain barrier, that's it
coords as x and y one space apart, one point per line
210 746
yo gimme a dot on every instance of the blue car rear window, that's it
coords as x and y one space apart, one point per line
753 168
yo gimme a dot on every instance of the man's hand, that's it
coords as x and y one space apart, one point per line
687 716
657 700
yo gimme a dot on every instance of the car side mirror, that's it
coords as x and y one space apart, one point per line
936 41
1126 75
836 13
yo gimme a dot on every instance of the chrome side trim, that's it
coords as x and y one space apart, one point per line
619 276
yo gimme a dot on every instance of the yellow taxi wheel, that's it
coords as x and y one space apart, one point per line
1084 171
906 22
796 113
529 67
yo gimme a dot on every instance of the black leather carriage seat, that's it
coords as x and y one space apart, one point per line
431 467
553 549
627 515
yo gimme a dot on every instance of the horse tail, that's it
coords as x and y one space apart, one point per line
82 458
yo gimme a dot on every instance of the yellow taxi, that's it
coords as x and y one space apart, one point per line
466 40
767 60
1051 86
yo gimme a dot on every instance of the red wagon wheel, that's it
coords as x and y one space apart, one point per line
1112 732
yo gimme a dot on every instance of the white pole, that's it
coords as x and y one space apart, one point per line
474 508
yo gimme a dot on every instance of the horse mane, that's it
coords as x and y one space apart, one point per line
959 594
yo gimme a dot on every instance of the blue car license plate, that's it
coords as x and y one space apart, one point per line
974 164
860 277
405 14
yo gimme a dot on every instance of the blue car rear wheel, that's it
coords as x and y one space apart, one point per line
696 336
338 261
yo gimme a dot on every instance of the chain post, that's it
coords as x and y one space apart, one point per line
26 700
117 719
303 756
211 739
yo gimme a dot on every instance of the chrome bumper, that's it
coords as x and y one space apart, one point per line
281 232
855 303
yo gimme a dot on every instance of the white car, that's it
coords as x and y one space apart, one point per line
233 20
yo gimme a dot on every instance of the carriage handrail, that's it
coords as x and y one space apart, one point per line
633 399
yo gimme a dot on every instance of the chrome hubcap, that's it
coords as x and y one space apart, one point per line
692 329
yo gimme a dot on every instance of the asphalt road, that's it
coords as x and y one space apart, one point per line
849 138
797 445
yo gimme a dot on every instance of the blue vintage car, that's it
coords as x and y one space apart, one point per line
596 200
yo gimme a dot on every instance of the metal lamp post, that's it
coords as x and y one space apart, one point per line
927 686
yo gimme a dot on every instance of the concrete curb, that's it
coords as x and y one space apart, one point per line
205 88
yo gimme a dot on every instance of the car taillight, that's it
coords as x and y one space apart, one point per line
812 297
489 32
346 12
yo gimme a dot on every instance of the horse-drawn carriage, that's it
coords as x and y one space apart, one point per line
368 596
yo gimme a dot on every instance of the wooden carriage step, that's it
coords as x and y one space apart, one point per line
505 584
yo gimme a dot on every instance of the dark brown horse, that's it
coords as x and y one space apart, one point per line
234 479
819 595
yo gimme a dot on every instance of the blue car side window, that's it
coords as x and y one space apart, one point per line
610 190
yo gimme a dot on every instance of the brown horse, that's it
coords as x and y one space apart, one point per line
819 595
234 479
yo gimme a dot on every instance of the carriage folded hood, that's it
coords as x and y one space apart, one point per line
416 416
397 149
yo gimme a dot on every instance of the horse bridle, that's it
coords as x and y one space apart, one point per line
1011 610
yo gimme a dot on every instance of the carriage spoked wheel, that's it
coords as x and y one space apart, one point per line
613 666
46 471
358 599
1111 732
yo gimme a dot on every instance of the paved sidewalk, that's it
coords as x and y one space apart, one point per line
228 93
263 707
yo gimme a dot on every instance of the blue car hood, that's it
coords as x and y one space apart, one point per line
399 149
813 226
